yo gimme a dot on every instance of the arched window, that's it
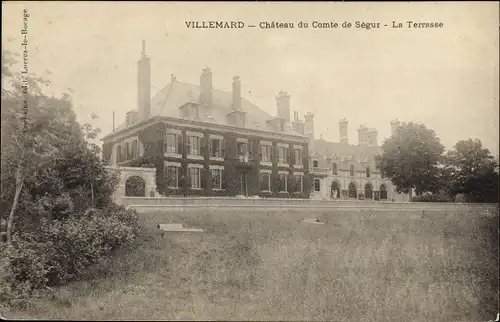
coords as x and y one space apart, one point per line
335 190
368 191
368 172
135 187
383 192
334 168
315 163
353 193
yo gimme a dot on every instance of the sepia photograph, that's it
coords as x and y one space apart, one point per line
237 161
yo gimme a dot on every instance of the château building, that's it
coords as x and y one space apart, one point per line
196 140
204 141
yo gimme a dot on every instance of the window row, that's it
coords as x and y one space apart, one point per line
194 179
351 169
127 151
297 183
197 146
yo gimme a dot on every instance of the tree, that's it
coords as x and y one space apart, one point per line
473 171
47 158
410 159
26 132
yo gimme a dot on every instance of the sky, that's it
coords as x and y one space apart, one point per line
446 78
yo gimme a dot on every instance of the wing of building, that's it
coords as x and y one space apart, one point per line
209 142
204 141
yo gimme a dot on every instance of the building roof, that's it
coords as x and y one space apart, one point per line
176 94
342 152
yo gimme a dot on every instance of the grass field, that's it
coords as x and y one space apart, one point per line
257 265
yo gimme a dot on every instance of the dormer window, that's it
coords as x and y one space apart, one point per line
189 111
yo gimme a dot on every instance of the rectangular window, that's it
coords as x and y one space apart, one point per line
282 154
265 182
171 143
119 153
216 179
135 152
368 172
194 174
194 145
317 186
297 157
334 169
241 148
172 177
299 183
351 170
215 148
283 183
127 151
266 153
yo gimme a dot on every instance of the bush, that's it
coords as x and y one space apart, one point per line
62 251
431 198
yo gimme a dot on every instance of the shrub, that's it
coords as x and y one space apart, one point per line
431 198
62 251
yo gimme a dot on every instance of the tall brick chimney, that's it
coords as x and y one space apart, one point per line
367 136
143 85
309 129
236 93
206 88
297 125
283 105
344 138
363 135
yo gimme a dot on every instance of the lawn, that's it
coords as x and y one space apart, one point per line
266 265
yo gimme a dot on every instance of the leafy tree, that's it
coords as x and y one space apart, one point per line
56 193
410 159
473 171
47 157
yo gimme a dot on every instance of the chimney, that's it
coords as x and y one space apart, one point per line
283 104
394 126
297 125
131 117
373 137
236 93
309 129
363 135
343 131
206 88
143 85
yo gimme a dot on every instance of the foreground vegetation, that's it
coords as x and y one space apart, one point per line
57 216
360 265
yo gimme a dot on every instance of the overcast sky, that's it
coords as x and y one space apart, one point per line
446 78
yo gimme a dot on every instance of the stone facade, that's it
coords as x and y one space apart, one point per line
145 179
340 170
